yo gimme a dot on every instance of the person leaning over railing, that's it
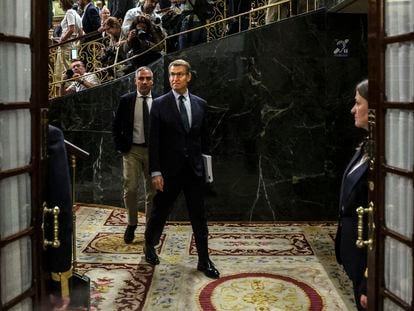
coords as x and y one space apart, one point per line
146 8
71 28
143 35
117 47
82 79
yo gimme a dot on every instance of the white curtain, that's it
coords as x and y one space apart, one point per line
15 72
398 268
399 150
391 306
399 16
15 152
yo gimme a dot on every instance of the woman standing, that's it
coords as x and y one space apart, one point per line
71 28
354 193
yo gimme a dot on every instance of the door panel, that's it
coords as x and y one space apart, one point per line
16 17
15 133
23 95
391 306
16 199
399 64
16 278
15 59
391 75
398 269
399 204
399 132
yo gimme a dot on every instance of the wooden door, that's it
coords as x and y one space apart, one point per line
23 98
391 75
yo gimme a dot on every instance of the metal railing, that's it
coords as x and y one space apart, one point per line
216 28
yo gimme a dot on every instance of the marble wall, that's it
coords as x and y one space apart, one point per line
281 132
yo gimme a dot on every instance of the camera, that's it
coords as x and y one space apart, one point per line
69 73
108 56
142 35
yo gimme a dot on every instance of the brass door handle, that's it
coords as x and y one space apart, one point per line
360 243
55 211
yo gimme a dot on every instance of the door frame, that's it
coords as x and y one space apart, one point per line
37 104
377 44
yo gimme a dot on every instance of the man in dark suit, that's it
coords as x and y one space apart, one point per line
57 258
90 17
178 137
118 8
130 132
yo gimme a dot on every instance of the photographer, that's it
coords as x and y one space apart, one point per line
145 8
116 46
83 79
143 35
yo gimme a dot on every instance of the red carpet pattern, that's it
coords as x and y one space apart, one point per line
263 291
118 286
246 244
263 266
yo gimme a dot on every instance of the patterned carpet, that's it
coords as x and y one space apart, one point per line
263 267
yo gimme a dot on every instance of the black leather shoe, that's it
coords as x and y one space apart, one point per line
208 268
129 234
150 255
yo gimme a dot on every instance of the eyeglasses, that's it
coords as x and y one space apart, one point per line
178 74
77 65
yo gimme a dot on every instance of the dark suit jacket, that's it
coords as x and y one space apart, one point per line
118 8
123 123
58 194
170 146
354 193
90 19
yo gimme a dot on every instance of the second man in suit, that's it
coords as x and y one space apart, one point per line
130 132
178 137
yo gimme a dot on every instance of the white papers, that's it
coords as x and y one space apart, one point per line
208 167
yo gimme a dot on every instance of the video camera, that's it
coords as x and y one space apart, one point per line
69 73
141 34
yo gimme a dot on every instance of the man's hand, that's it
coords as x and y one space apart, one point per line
59 303
364 301
158 183
131 35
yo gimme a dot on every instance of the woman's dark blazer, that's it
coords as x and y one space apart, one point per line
354 193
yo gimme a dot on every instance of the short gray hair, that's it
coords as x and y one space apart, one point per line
142 69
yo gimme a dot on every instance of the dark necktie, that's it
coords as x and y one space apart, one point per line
145 116
183 113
